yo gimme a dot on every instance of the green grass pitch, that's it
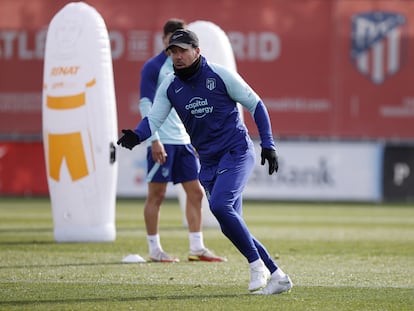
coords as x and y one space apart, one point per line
340 257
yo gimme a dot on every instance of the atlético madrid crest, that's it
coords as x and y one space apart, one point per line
378 44
211 83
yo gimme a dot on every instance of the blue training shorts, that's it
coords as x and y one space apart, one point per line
181 165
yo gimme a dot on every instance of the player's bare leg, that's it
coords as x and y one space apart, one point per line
156 195
198 252
194 196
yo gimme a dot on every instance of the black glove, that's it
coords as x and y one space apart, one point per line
129 139
271 157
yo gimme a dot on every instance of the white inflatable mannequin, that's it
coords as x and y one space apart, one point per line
80 125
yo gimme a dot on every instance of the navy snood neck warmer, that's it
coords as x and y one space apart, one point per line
185 73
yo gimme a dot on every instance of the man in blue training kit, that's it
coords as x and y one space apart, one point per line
205 97
170 157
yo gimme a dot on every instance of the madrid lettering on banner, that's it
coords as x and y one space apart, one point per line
138 45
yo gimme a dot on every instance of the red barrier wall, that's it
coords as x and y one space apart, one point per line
339 69
302 57
22 169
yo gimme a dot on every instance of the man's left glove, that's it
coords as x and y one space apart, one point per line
129 139
271 157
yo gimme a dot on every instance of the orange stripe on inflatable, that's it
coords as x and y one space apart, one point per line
66 102
91 83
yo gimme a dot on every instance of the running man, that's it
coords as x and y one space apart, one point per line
205 97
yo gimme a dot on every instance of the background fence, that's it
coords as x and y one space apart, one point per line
335 75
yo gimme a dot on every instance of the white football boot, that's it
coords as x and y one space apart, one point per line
276 285
258 278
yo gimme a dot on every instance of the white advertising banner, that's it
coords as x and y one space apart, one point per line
335 171
330 171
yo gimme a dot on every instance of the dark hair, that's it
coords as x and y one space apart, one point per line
173 24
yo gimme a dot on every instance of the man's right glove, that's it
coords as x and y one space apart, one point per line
129 139
271 157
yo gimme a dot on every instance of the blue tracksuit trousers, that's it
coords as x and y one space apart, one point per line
224 184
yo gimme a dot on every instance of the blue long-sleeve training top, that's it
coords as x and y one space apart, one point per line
207 105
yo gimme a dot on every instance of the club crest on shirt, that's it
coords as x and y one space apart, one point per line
210 83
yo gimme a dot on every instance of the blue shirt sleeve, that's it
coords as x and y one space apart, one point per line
149 78
148 87
157 114
262 120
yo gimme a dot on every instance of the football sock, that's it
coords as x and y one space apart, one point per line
279 273
196 242
256 264
154 243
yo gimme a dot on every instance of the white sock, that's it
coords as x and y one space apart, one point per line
154 243
196 241
256 264
278 273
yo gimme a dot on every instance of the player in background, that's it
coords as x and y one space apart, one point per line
170 158
205 97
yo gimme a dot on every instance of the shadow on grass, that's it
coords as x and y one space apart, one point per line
34 242
118 229
67 265
123 299
26 230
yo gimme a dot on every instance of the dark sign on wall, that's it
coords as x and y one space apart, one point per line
398 177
